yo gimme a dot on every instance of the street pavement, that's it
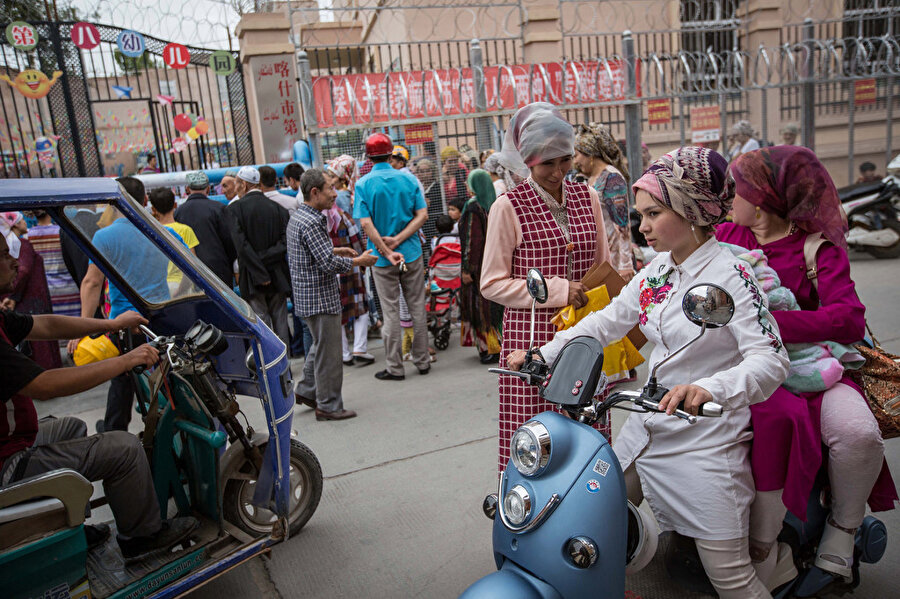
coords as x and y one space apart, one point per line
400 514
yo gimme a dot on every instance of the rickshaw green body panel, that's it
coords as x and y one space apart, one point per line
56 561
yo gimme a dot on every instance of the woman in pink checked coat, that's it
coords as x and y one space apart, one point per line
546 223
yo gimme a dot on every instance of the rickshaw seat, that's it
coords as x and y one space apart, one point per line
42 504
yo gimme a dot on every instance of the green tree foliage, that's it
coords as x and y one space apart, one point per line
133 66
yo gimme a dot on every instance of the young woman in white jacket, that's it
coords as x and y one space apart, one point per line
696 478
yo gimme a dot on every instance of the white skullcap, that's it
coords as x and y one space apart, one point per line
249 174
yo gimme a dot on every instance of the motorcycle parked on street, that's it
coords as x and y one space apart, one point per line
872 214
563 526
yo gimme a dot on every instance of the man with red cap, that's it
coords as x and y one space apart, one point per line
391 209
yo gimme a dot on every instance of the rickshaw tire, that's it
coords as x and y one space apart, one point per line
307 464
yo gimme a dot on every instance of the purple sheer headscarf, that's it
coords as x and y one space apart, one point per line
791 182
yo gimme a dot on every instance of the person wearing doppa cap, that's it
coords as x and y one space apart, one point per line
258 230
391 209
544 222
207 218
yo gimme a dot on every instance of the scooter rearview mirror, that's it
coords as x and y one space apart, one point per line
708 304
537 286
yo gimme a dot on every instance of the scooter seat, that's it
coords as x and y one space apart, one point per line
858 190
42 504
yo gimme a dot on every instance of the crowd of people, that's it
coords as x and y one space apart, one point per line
353 249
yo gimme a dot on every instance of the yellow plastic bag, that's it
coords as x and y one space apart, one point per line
618 357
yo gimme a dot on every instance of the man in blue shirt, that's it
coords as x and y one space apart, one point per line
144 267
391 209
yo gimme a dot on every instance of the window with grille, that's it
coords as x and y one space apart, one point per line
871 18
709 25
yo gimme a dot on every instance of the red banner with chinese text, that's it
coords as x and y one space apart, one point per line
382 97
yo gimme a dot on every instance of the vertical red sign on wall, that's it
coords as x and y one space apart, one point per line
864 92
659 111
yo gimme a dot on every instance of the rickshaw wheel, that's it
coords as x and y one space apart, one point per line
306 490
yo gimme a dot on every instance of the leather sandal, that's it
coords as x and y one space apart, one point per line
835 554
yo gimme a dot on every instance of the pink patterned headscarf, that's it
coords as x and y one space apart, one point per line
692 181
344 167
791 182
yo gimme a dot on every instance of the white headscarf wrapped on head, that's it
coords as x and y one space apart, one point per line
537 132
7 221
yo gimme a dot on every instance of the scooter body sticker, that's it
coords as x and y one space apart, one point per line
593 486
601 467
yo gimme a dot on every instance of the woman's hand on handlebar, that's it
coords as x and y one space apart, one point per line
144 355
693 397
127 321
577 296
515 359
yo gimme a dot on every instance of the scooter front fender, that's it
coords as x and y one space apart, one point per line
510 581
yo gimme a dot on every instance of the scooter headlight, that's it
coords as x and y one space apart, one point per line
517 505
530 448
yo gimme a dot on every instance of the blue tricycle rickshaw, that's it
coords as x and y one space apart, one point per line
249 489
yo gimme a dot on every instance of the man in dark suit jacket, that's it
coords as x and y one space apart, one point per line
207 218
259 231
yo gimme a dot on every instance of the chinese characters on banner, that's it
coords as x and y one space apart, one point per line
418 134
274 80
659 112
864 92
705 124
380 97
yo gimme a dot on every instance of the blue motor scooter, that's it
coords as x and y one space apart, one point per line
563 526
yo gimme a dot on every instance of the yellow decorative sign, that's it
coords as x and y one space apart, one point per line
32 84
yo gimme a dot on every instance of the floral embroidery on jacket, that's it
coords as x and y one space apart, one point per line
759 304
654 291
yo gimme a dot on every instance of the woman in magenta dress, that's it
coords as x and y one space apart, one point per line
545 222
784 194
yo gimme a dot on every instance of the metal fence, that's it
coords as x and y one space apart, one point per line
803 79
105 114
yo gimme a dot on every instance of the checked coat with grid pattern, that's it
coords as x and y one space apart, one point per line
544 246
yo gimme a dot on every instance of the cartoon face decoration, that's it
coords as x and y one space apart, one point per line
32 84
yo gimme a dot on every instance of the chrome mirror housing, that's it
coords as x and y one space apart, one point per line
708 305
537 286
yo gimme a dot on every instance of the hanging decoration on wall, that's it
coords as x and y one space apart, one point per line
122 91
183 122
164 100
191 125
222 62
32 84
131 43
45 149
178 145
176 56
85 36
21 35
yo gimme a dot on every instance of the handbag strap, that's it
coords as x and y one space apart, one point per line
811 246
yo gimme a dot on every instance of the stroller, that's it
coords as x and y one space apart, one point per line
444 281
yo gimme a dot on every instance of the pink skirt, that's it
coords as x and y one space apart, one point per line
787 450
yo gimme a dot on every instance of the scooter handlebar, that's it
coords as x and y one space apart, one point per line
517 373
709 409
